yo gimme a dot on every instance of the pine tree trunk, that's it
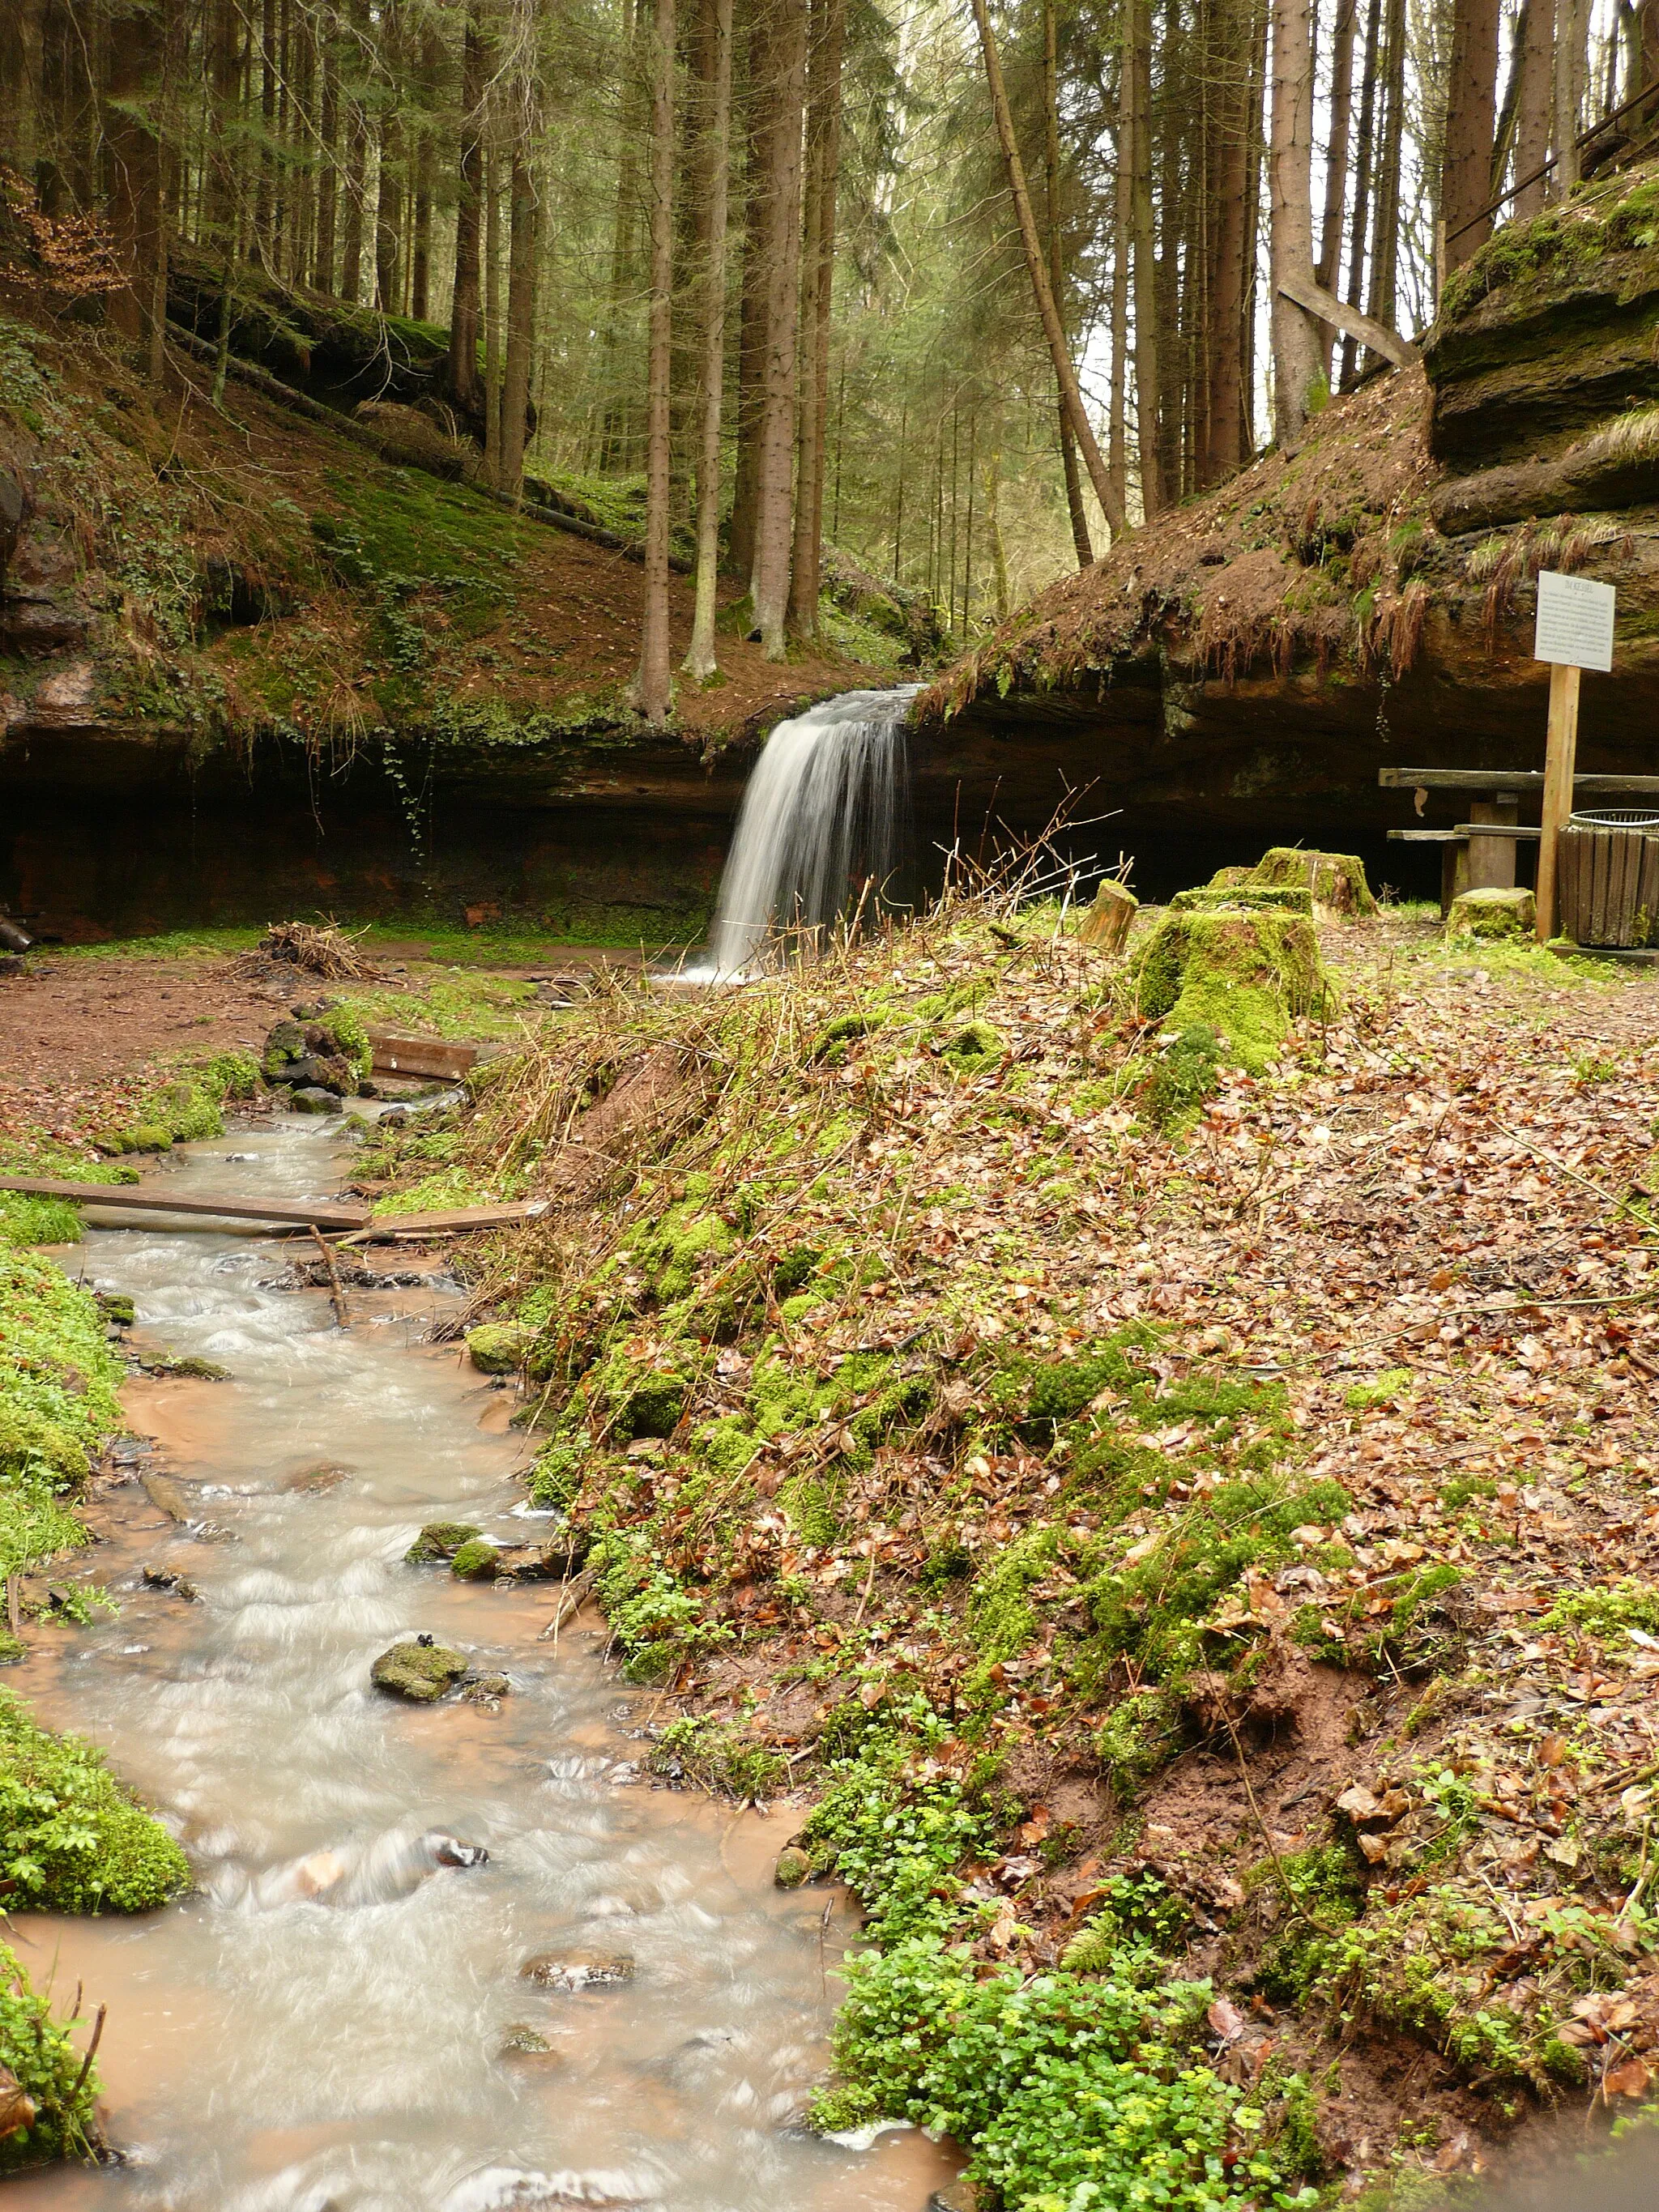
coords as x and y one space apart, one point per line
1074 507
389 194
328 179
1122 223
762 91
492 313
1572 36
1386 251
712 169
617 448
1328 270
1471 113
993 531
1230 245
1363 159
132 86
523 226
265 201
1035 268
829 38
351 250
780 258
654 682
461 371
1138 69
1295 332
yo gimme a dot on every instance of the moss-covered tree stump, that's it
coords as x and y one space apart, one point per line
1493 914
1106 924
1251 898
1335 881
1246 974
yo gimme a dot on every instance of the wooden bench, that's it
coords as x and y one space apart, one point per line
1479 854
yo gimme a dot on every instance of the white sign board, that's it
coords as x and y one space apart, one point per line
1574 620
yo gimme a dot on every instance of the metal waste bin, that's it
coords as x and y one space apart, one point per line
1608 877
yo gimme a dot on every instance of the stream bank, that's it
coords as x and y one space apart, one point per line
331 2018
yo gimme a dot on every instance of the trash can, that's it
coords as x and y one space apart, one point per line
1608 877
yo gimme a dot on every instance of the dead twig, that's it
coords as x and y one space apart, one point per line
336 1294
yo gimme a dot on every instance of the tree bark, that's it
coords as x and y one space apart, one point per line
133 88
492 313
781 170
751 322
1471 114
1571 34
653 681
1230 244
1064 375
1328 270
523 226
328 181
1297 350
1364 153
389 192
461 369
1074 507
1385 251
829 26
356 181
1138 76
712 170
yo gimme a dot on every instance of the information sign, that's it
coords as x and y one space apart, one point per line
1575 622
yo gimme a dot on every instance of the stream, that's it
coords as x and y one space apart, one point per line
326 2025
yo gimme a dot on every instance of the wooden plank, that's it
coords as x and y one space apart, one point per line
396 1055
1428 836
1559 760
1491 859
138 1198
1510 830
1499 778
459 1218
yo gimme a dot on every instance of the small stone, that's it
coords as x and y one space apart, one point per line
165 1578
116 1310
487 1690
958 2196
578 1970
1492 912
477 1561
523 2041
793 1867
313 1099
187 1370
441 1539
421 1671
498 1347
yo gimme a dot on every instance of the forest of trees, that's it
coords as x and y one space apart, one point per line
962 290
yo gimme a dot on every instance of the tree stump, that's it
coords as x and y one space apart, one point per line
1244 973
1493 914
1106 924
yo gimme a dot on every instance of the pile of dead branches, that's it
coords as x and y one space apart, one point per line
326 950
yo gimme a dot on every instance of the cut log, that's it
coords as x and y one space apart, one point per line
138 1198
396 1055
1105 925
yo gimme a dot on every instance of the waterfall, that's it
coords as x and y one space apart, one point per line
821 818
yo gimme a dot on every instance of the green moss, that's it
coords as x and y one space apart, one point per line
974 1048
721 1757
441 1539
41 2056
1488 913
475 1561
1242 976
1184 1077
1334 880
1244 897
1381 1390
498 1347
423 1672
1608 1611
74 1841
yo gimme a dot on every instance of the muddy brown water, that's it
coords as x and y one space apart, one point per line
322 2025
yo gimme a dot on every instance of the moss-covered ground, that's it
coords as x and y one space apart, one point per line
1156 1513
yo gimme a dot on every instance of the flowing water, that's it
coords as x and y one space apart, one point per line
325 2025
820 827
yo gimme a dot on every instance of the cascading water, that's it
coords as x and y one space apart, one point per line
337 2020
821 819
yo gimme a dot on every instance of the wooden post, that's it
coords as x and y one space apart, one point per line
1559 763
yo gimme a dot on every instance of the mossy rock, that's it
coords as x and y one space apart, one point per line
476 1561
651 1408
142 1137
1229 878
119 1311
1245 975
1336 881
1493 914
441 1539
1245 898
498 1347
794 1867
421 1671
